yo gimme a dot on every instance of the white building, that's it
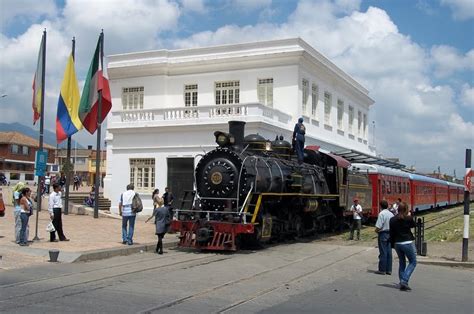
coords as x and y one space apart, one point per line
168 103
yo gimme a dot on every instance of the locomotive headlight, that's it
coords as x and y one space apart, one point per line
222 139
268 145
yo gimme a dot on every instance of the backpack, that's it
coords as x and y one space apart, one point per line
137 205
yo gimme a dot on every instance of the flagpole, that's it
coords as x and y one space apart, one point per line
99 118
68 154
43 77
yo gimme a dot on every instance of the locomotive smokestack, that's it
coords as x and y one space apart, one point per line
237 129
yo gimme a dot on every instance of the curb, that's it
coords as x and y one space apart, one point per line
446 263
126 250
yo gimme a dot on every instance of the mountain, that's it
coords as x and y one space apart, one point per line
48 136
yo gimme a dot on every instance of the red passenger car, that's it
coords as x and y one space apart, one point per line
387 184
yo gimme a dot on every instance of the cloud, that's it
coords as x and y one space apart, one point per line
26 11
462 9
410 110
197 6
447 60
250 5
467 96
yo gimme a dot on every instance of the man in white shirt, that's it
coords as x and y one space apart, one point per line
128 216
356 210
55 208
47 182
382 227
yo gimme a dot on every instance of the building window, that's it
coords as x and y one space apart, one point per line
15 149
25 150
191 95
359 123
327 108
132 98
305 90
142 174
340 113
314 100
351 119
227 93
265 91
365 125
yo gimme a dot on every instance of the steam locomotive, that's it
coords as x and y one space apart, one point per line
250 190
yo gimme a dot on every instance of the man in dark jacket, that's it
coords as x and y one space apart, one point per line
298 139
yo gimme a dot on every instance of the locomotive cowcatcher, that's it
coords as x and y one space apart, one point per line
250 190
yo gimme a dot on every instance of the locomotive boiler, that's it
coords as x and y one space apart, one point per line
252 190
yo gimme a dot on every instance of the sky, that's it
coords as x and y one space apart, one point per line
416 57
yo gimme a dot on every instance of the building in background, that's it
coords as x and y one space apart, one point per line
83 161
168 103
17 157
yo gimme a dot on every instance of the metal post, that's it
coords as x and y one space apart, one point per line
467 187
99 117
43 79
68 154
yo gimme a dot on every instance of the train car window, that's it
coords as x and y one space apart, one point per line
383 187
399 187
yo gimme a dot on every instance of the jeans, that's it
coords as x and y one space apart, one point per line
24 224
17 216
128 236
408 251
385 252
356 225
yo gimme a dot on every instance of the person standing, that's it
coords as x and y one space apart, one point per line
168 199
298 139
128 216
155 196
55 213
402 239
75 187
47 182
356 210
17 211
162 222
394 208
26 211
62 181
382 228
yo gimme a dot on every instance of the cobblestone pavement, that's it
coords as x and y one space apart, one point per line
85 234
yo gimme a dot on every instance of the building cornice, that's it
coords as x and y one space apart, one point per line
223 58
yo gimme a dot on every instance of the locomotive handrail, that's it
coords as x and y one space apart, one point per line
245 202
240 175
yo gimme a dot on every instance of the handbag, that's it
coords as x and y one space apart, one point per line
50 227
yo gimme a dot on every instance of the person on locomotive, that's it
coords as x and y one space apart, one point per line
298 139
402 238
382 227
356 211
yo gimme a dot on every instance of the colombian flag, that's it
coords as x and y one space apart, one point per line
67 119
95 82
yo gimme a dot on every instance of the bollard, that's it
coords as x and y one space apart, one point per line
53 256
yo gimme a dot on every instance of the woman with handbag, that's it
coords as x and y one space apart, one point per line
26 210
162 222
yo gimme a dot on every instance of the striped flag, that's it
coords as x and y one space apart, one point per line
95 82
67 118
38 83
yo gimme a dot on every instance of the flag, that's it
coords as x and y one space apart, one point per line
95 82
67 118
38 84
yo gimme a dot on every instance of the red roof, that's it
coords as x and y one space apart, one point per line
341 162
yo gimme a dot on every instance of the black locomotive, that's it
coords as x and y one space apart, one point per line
250 189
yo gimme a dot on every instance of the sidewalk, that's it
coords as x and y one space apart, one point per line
90 239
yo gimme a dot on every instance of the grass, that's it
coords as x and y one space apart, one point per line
450 231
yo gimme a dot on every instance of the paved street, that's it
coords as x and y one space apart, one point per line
287 278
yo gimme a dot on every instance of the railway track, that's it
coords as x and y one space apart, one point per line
69 285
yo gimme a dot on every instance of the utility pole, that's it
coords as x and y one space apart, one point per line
467 188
